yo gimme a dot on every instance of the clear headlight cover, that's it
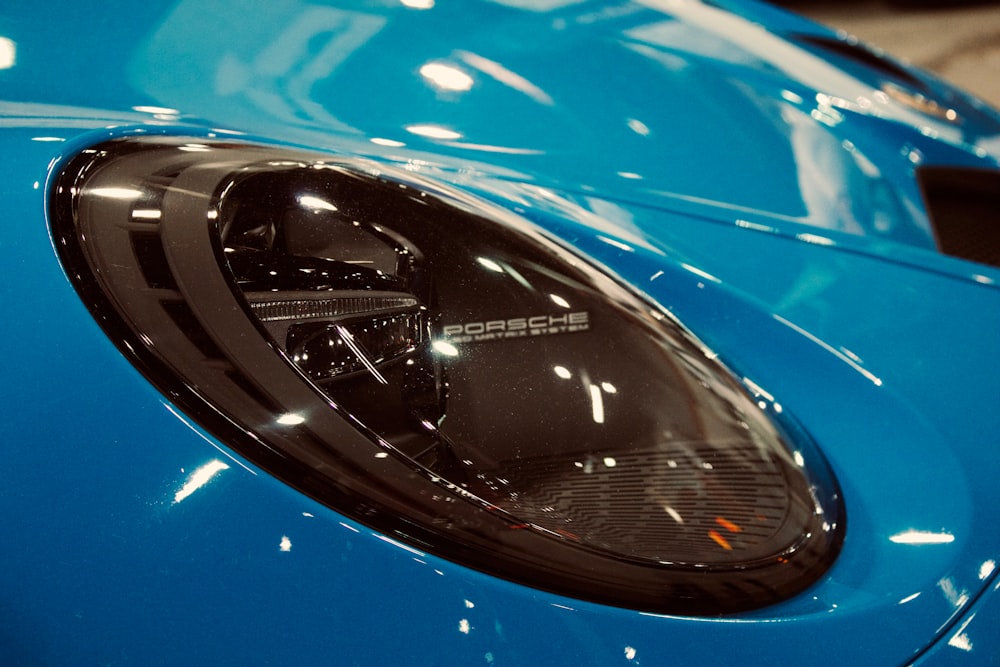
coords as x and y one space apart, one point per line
443 371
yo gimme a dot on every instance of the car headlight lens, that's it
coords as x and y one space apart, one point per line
444 372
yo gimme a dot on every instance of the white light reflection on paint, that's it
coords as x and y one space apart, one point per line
285 544
562 372
200 478
506 77
755 226
986 569
446 77
789 96
630 653
418 4
617 244
917 537
909 598
8 53
505 150
951 592
159 111
960 640
815 239
464 627
433 132
698 272
851 355
874 379
391 143
638 127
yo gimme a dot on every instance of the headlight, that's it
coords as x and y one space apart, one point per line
446 373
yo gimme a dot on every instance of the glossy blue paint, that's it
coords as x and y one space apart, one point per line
974 640
730 174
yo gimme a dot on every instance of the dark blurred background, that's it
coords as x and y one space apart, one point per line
958 39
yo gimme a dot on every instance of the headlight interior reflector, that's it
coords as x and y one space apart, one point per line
444 372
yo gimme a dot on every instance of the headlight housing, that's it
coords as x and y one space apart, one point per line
445 372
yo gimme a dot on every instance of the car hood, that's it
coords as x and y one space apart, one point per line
668 103
718 148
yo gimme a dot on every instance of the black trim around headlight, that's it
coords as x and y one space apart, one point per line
443 371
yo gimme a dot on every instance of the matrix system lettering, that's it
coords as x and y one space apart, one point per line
518 327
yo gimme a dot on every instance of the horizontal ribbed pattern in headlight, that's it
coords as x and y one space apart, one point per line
657 503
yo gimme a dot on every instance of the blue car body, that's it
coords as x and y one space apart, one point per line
755 174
